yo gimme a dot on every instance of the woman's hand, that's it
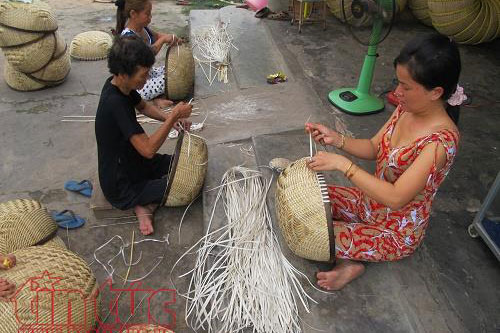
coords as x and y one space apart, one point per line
172 39
7 261
182 110
183 124
324 161
7 289
323 135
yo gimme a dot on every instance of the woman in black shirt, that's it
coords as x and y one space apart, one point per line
131 172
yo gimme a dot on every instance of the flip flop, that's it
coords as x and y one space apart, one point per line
84 187
66 219
263 12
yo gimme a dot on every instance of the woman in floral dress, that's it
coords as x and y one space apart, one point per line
385 215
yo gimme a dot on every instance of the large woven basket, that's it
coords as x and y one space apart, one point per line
187 171
50 269
36 16
147 329
32 57
471 31
56 70
55 242
304 212
452 22
14 37
19 81
91 45
179 72
420 10
24 223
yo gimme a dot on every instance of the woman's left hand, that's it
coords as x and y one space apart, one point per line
183 124
324 161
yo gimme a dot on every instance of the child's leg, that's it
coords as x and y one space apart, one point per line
154 88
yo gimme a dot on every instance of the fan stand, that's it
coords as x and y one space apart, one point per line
359 100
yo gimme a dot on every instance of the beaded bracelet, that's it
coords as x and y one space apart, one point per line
342 143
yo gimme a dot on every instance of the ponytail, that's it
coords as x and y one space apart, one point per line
453 112
121 17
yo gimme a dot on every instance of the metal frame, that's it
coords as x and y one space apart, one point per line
476 228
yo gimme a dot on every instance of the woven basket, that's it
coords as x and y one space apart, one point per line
187 171
471 31
37 16
304 212
19 81
495 9
451 23
490 25
32 57
147 329
420 10
14 37
57 269
23 227
55 72
179 72
91 45
55 242
18 206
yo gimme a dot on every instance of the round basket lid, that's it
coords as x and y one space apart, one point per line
38 271
35 16
187 170
91 45
304 212
24 224
32 57
14 37
179 72
19 81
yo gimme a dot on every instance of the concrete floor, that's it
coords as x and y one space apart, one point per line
449 285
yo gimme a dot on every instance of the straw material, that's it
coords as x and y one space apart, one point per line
32 57
37 16
496 9
470 32
451 23
303 217
61 45
179 72
24 226
19 81
14 37
55 242
56 70
188 170
57 269
147 329
91 45
489 29
420 10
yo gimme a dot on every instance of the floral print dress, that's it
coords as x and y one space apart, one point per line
369 231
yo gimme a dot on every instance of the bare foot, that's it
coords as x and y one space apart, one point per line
145 216
344 272
7 289
162 103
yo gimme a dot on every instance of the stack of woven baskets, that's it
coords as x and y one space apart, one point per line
53 285
37 55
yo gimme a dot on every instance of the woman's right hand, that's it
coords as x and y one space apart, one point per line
182 110
323 135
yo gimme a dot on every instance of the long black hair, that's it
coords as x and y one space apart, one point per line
123 9
433 60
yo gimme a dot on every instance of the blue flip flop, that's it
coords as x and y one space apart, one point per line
84 187
66 219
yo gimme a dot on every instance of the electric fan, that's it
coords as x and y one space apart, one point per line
370 21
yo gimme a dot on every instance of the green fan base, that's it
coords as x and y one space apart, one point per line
363 104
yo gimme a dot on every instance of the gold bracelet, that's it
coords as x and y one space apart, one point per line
349 168
342 143
349 176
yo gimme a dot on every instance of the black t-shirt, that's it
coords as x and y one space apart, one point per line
119 162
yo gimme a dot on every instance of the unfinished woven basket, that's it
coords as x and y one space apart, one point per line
187 171
23 224
32 57
19 81
56 241
147 329
57 269
304 212
36 16
91 45
179 72
420 10
14 37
